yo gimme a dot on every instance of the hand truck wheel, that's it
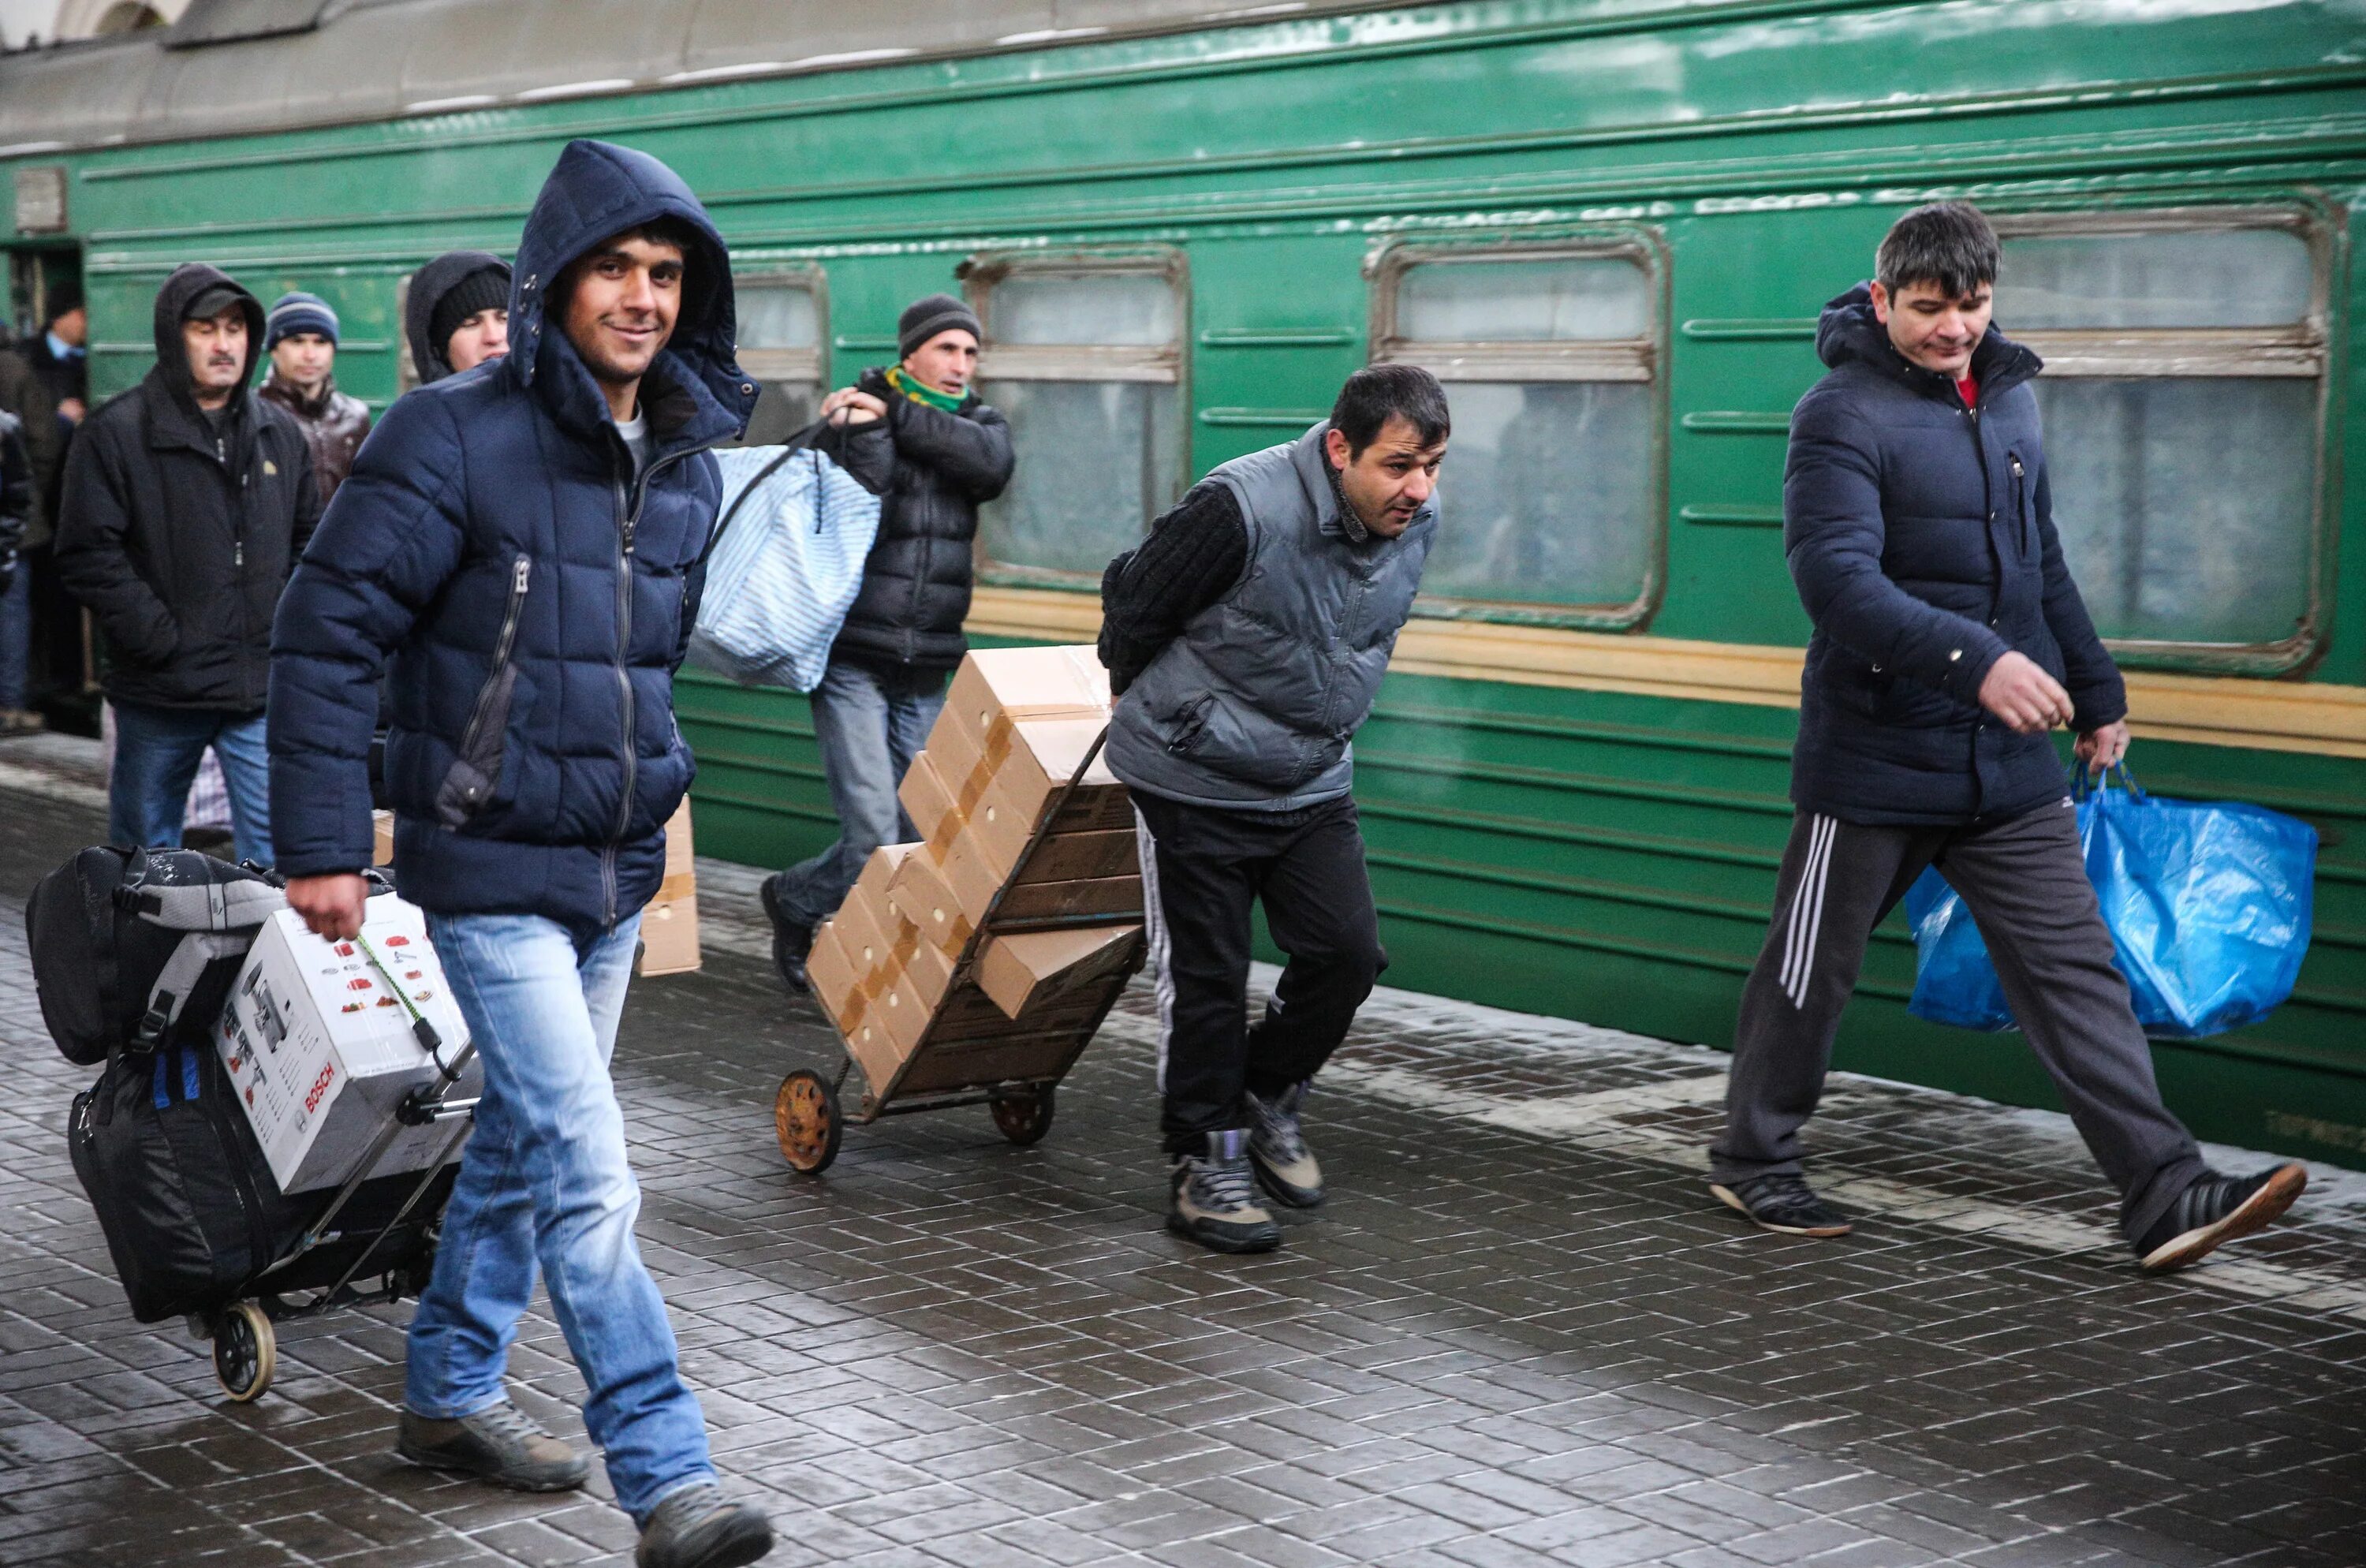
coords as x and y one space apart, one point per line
247 1352
1025 1116
806 1118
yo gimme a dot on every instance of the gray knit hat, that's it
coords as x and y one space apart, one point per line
297 311
924 319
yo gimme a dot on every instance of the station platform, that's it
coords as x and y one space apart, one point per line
1521 1332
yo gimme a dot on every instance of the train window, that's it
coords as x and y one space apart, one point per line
1547 353
2184 369
780 318
1084 355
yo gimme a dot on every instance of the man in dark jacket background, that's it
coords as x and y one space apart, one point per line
1949 641
888 669
525 540
301 335
45 383
187 501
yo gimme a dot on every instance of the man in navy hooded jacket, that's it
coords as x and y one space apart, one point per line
524 539
1949 640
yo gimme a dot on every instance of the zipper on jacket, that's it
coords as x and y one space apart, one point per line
628 519
521 573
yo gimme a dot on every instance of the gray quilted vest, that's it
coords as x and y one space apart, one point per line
1252 707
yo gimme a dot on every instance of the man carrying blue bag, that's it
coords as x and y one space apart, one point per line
1949 640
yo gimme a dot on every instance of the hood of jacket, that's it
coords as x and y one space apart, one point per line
428 287
1849 333
694 389
172 300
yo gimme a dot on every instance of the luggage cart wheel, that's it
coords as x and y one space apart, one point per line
805 1114
1026 1116
247 1352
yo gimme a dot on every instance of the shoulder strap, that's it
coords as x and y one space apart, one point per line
790 448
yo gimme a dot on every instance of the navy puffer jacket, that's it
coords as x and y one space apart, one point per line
536 595
1920 536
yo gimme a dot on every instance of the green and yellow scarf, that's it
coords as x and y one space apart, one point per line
921 393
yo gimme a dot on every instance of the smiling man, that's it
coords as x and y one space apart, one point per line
1246 638
1949 641
187 501
525 540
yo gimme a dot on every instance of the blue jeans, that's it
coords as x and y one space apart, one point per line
544 1179
15 636
869 726
156 755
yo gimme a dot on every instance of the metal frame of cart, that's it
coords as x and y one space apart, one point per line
806 1114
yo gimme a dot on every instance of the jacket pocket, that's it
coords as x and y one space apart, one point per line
469 783
1187 724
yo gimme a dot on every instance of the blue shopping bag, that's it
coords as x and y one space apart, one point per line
2209 905
784 566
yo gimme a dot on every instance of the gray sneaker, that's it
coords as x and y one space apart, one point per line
1285 1165
695 1527
502 1445
1214 1198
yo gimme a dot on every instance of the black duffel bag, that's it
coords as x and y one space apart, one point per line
192 1216
135 949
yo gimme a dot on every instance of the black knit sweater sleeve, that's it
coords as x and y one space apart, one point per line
1194 555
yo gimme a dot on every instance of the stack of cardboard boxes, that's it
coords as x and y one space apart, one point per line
1016 725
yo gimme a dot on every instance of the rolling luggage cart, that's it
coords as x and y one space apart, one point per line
972 1052
246 1345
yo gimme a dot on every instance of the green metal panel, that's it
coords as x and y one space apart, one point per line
1603 856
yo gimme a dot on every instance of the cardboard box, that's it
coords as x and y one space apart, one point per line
877 936
322 1053
1001 832
1028 763
832 972
1028 969
920 892
670 922
381 838
1062 682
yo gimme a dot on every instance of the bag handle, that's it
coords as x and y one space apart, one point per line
2084 781
803 440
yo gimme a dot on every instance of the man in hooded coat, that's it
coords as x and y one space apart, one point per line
525 541
187 501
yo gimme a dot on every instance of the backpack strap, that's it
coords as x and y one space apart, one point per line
203 906
220 918
188 966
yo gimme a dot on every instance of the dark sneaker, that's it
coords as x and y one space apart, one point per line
1214 1201
695 1527
1285 1165
1784 1203
2216 1210
791 941
502 1445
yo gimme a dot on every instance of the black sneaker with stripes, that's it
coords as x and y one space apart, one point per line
1784 1203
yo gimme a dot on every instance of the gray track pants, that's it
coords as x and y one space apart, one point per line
2026 886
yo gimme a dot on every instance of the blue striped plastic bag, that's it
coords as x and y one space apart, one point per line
2209 904
795 529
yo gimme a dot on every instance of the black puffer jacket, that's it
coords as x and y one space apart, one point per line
915 584
179 537
1920 536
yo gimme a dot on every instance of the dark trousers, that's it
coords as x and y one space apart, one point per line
2025 883
1201 868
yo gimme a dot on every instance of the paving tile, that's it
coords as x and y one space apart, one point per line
1517 1335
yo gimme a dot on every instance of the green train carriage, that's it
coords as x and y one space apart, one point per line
1607 223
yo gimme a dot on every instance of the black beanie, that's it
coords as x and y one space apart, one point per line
924 319
487 289
63 300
